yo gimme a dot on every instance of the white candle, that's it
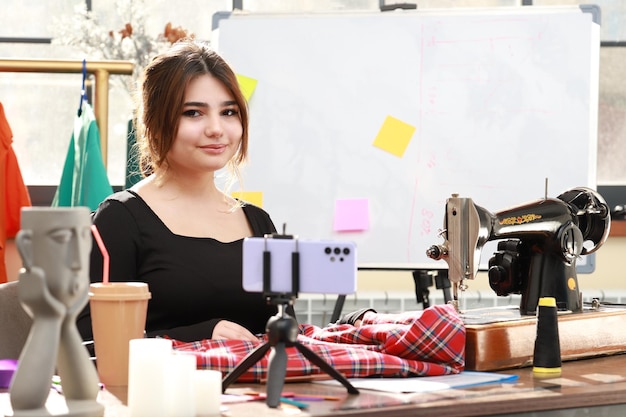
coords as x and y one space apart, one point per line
147 387
180 368
208 384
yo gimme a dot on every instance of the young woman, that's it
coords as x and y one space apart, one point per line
176 229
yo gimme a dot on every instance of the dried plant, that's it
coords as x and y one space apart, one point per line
129 43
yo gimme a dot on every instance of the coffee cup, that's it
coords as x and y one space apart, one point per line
118 315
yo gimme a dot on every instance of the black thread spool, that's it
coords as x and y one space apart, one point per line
547 354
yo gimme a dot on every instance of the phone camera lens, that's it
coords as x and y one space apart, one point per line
327 250
337 251
346 251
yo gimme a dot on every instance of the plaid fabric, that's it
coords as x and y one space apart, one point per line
418 343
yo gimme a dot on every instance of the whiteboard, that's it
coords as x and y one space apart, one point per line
388 114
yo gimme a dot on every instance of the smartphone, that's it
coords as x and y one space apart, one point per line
326 266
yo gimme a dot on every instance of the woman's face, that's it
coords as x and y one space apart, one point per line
209 130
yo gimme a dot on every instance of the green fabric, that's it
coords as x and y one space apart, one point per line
84 181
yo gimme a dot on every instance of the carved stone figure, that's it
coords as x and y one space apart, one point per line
54 244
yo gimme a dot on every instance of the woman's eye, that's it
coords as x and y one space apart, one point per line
230 112
191 113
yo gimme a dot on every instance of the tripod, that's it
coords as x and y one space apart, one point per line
282 332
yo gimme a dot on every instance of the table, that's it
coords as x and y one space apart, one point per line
584 384
594 386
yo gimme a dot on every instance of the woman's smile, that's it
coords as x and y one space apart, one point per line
215 149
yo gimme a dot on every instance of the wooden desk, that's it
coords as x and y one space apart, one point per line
583 384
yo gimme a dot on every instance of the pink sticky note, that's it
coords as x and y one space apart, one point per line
351 215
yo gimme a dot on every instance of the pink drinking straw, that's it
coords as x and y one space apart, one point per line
105 254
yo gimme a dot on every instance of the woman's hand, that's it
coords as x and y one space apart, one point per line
355 318
228 330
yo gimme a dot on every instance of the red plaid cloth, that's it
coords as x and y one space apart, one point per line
418 343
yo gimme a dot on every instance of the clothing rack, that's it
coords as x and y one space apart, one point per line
101 70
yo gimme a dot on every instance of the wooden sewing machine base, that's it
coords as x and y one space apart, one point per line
500 338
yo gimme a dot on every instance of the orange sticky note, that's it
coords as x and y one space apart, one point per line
252 197
247 85
394 136
351 215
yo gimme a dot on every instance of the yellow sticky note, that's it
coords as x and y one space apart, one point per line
394 136
252 197
247 85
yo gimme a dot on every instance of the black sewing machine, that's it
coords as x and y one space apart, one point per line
539 243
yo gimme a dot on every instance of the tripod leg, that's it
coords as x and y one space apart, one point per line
252 358
324 366
338 308
276 371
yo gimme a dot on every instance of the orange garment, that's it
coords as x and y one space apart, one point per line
13 193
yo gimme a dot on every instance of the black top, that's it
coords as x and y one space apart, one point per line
194 282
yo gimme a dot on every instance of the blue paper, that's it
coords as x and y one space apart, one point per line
464 379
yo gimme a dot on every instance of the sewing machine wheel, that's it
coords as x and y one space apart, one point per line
594 216
508 267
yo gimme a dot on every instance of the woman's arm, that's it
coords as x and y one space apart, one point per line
210 329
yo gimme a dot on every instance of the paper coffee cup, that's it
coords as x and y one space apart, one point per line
118 314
